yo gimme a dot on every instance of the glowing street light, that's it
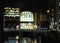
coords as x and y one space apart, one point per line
17 37
48 11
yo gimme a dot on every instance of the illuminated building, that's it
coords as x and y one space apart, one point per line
23 23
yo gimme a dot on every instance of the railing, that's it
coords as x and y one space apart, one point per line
28 30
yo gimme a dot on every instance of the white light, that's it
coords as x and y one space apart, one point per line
17 27
55 23
59 20
12 15
7 8
35 41
16 41
48 11
59 3
17 37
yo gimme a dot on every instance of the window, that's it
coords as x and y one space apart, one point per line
12 12
11 19
26 16
26 20
14 19
26 25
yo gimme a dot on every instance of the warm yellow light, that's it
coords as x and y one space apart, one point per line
35 40
35 26
16 41
6 7
30 26
11 8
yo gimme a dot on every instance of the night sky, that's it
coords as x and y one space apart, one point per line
28 4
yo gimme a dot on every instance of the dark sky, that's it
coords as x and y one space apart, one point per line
28 4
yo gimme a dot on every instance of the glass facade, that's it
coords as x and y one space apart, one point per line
26 26
28 19
15 20
11 18
26 16
30 25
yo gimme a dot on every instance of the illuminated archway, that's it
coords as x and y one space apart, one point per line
26 16
26 19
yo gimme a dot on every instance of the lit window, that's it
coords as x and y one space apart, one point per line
11 12
27 20
11 19
26 25
26 16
